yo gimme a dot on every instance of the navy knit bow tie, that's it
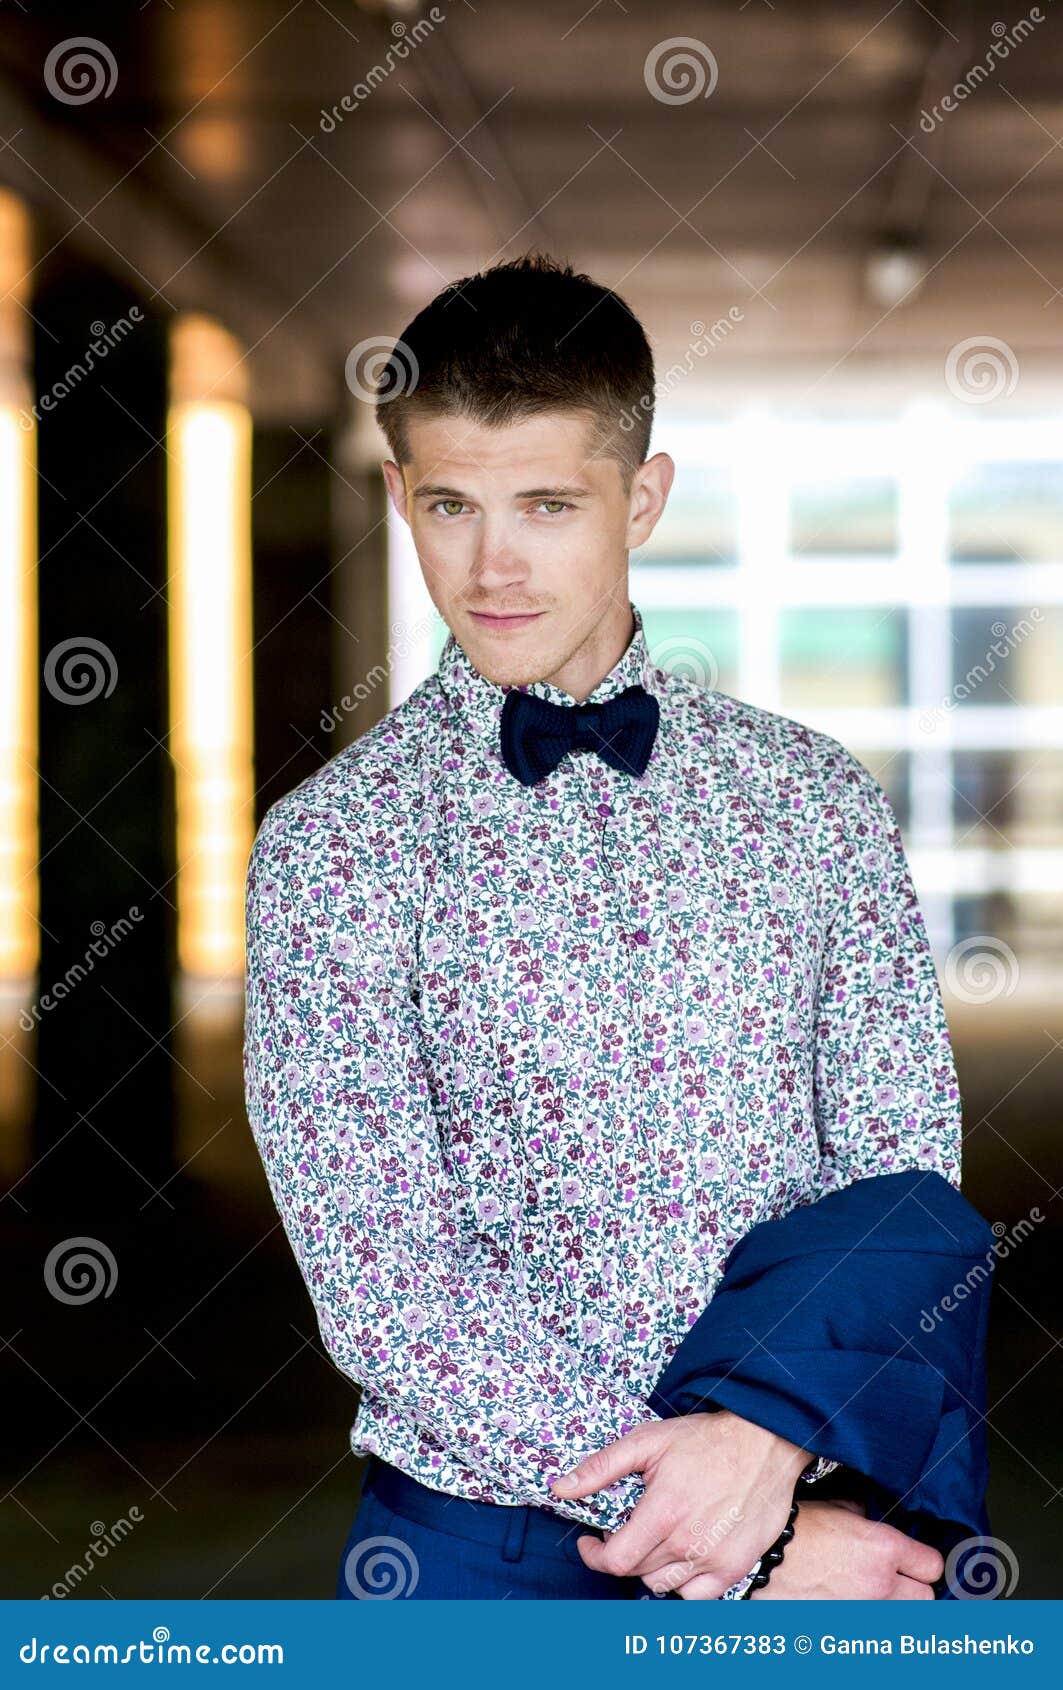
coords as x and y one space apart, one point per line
536 734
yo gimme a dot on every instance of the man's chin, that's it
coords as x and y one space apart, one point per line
506 675
506 659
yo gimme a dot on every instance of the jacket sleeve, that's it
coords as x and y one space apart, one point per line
341 1107
855 1326
886 1095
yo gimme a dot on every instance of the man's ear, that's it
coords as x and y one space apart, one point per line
396 487
649 495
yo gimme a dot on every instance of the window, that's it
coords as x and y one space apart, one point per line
856 515
1007 513
852 656
699 644
898 583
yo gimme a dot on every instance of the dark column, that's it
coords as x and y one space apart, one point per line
361 635
293 587
104 1118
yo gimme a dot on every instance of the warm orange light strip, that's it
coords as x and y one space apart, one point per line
211 732
19 835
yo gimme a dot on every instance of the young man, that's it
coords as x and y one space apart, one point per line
571 984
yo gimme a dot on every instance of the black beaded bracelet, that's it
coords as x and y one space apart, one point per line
771 1557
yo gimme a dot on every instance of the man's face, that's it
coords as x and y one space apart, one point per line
524 519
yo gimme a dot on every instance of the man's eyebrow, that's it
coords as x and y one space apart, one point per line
574 492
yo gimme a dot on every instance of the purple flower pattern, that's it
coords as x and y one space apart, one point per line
523 1064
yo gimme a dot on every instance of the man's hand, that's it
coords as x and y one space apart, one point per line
836 1553
718 1492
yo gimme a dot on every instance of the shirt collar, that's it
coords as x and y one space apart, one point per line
480 700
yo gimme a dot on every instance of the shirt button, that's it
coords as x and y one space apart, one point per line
641 936
605 809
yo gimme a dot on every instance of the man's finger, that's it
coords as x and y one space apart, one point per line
912 1590
918 1560
615 1461
703 1587
638 1546
671 1576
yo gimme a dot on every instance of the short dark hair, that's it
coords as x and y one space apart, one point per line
523 337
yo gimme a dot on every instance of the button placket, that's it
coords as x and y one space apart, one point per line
630 852
675 822
596 792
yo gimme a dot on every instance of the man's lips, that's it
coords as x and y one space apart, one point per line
503 620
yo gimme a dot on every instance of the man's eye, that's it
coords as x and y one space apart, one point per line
559 505
444 502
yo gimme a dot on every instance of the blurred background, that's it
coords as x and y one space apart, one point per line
840 226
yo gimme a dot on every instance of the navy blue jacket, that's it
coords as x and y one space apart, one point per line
855 1327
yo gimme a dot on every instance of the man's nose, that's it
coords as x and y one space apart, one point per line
498 560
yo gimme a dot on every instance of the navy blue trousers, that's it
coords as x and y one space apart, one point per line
411 1543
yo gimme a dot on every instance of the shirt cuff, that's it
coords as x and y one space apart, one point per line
818 1469
738 1590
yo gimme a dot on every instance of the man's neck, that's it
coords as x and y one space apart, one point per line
598 657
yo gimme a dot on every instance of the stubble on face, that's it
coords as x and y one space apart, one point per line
543 531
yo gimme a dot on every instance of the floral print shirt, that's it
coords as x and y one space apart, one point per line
523 1064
